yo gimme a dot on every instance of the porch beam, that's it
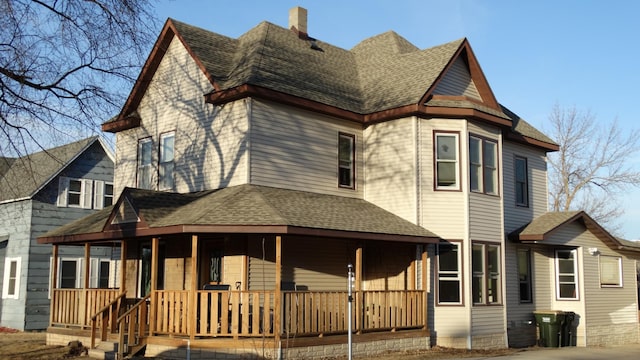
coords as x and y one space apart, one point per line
154 281
424 286
54 282
123 265
278 291
194 286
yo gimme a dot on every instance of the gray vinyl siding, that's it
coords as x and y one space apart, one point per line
298 150
210 141
517 216
391 173
487 320
458 82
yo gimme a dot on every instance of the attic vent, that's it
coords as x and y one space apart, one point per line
298 21
125 214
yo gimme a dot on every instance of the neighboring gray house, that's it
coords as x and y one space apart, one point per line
39 192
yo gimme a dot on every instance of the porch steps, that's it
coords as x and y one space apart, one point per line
107 350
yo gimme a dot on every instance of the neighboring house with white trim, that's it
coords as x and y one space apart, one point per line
257 168
39 192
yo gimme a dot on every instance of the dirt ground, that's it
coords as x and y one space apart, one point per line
31 346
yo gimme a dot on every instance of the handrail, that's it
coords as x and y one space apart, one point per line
106 307
104 325
133 308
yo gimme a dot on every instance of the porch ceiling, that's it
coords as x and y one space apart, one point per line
240 209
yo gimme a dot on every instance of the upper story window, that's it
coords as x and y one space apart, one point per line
346 156
610 271
84 193
446 157
145 150
566 275
449 274
483 165
166 166
521 181
486 283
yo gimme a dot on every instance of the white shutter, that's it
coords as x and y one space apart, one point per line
79 273
63 186
98 201
94 269
87 191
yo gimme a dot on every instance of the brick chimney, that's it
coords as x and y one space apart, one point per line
298 21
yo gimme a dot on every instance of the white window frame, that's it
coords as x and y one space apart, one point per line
145 167
610 283
100 194
78 273
450 275
85 194
347 164
95 272
455 161
575 274
166 160
7 278
485 172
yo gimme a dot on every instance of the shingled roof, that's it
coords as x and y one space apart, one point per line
241 209
24 176
381 78
542 227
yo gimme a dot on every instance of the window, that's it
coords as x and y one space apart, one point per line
75 193
524 275
103 194
446 161
166 165
11 287
522 182
108 194
69 274
610 271
566 275
449 281
346 155
144 163
483 165
486 284
99 273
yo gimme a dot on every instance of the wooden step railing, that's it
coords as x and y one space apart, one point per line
133 328
105 319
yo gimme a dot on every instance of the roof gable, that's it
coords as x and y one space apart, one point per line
30 173
544 226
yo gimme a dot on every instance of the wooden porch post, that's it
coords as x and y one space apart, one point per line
123 265
87 265
278 293
425 281
54 283
359 295
154 282
194 286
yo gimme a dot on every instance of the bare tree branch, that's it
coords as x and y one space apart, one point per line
592 166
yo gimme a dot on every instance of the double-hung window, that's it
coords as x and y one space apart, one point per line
524 275
449 274
483 165
166 166
486 281
145 150
446 158
346 156
566 275
11 281
75 193
522 181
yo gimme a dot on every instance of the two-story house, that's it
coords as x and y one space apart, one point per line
40 192
252 172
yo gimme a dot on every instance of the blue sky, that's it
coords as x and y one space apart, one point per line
534 54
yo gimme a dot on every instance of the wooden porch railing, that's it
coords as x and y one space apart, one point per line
75 307
105 319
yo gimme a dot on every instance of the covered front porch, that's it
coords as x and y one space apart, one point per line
257 287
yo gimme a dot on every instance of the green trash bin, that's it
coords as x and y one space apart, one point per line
550 324
569 329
